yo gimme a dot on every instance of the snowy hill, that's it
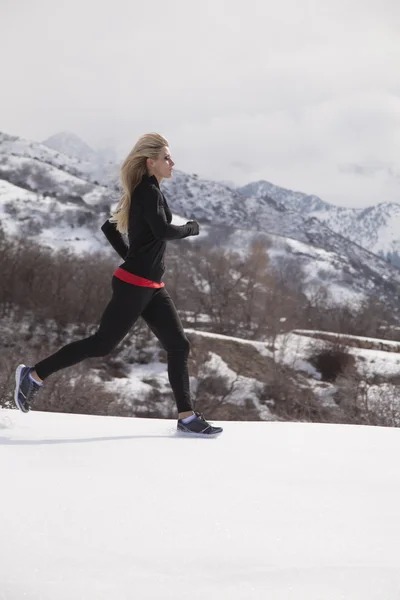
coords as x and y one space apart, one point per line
100 507
102 163
72 145
45 171
249 370
289 199
70 205
376 228
327 257
12 147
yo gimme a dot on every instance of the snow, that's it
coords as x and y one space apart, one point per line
376 227
292 349
242 389
61 180
262 347
321 268
14 147
104 507
346 270
11 194
134 385
338 336
339 295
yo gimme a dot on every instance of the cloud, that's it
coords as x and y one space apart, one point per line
304 149
288 91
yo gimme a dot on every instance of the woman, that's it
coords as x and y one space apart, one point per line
137 286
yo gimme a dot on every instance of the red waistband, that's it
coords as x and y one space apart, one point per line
135 279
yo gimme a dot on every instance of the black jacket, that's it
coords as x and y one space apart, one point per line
149 229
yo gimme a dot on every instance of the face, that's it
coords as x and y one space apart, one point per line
162 167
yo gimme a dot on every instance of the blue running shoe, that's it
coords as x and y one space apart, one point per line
25 388
198 427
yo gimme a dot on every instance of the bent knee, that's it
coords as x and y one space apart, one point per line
101 347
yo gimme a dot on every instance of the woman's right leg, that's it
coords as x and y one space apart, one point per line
127 303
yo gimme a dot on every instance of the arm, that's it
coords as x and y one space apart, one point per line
154 214
115 238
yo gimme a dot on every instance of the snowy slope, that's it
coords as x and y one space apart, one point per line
290 199
50 222
213 202
72 145
20 147
102 163
95 508
40 169
59 195
376 228
347 272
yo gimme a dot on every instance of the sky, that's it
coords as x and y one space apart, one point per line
305 95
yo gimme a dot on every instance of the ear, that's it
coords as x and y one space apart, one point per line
149 163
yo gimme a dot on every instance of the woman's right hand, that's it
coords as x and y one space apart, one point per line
194 226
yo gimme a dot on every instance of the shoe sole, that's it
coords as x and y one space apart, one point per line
179 432
17 386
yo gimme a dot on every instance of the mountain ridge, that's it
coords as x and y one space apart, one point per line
70 205
376 227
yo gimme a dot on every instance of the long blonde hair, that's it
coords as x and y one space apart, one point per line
132 171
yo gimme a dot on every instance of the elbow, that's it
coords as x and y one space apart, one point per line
105 226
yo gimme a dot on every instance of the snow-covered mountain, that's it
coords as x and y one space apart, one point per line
101 163
296 201
37 167
376 228
72 145
55 199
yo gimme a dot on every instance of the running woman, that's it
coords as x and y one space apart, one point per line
137 287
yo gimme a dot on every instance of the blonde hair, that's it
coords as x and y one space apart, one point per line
132 171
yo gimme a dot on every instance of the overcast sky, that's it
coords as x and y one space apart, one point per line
304 94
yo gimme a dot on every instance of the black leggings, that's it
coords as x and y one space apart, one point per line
127 304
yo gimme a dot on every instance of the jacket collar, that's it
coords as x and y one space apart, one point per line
153 179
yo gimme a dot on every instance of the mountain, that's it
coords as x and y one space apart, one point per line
43 169
72 145
325 256
376 228
101 163
296 201
55 199
51 197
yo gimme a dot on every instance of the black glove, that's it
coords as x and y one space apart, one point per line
194 227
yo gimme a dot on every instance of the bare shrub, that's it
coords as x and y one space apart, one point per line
213 397
280 389
332 361
52 285
291 401
371 318
75 392
369 400
227 293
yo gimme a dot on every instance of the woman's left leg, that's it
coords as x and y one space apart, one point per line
162 317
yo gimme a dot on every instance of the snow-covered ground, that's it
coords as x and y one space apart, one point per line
292 349
94 508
